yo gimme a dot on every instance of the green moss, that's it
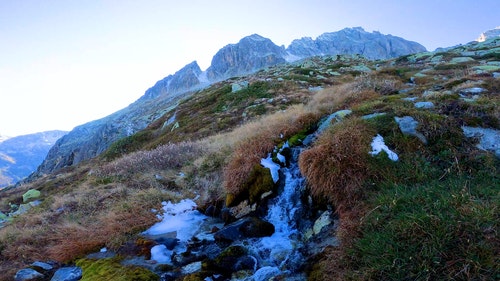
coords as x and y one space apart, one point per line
111 269
258 182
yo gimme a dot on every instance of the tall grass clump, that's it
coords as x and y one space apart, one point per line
337 166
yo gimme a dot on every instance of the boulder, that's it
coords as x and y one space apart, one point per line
73 273
28 274
31 194
245 228
408 126
489 139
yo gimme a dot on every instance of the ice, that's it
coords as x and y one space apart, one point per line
268 163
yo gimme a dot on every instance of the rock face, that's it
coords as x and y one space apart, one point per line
20 156
186 78
495 32
354 41
251 53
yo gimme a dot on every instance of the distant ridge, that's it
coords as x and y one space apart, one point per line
21 155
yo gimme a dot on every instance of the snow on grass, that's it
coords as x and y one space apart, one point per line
378 146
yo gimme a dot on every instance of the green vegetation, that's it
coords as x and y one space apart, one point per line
111 269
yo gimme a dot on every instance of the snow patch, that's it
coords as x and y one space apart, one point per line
182 219
268 163
378 145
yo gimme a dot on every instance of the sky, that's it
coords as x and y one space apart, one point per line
64 63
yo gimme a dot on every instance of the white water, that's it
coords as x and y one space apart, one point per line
279 253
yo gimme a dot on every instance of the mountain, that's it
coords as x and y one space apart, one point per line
495 32
2 138
354 41
20 156
325 168
250 54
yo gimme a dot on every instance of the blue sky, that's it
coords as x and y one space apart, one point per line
64 63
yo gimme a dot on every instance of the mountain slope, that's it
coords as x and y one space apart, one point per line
395 186
20 156
248 55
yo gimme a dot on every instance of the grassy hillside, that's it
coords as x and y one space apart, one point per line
431 215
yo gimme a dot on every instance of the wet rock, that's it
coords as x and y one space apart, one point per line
266 273
191 268
246 263
169 242
73 273
228 259
43 266
322 221
245 228
28 274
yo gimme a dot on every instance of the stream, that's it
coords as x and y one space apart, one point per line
187 238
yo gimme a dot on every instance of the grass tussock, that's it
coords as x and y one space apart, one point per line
336 167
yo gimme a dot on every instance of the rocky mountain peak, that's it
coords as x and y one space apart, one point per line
355 40
495 32
249 54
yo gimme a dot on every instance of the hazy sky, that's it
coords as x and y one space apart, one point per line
64 63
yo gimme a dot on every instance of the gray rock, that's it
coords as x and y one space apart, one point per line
489 139
28 274
496 74
472 91
355 40
43 265
235 87
408 126
424 104
248 55
73 273
245 228
373 115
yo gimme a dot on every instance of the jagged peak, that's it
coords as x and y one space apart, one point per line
255 37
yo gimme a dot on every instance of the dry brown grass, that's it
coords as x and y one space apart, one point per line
257 139
337 165
169 156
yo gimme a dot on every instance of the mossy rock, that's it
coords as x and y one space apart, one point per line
259 182
111 269
31 194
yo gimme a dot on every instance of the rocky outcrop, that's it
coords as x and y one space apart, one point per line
185 79
20 156
248 55
355 40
